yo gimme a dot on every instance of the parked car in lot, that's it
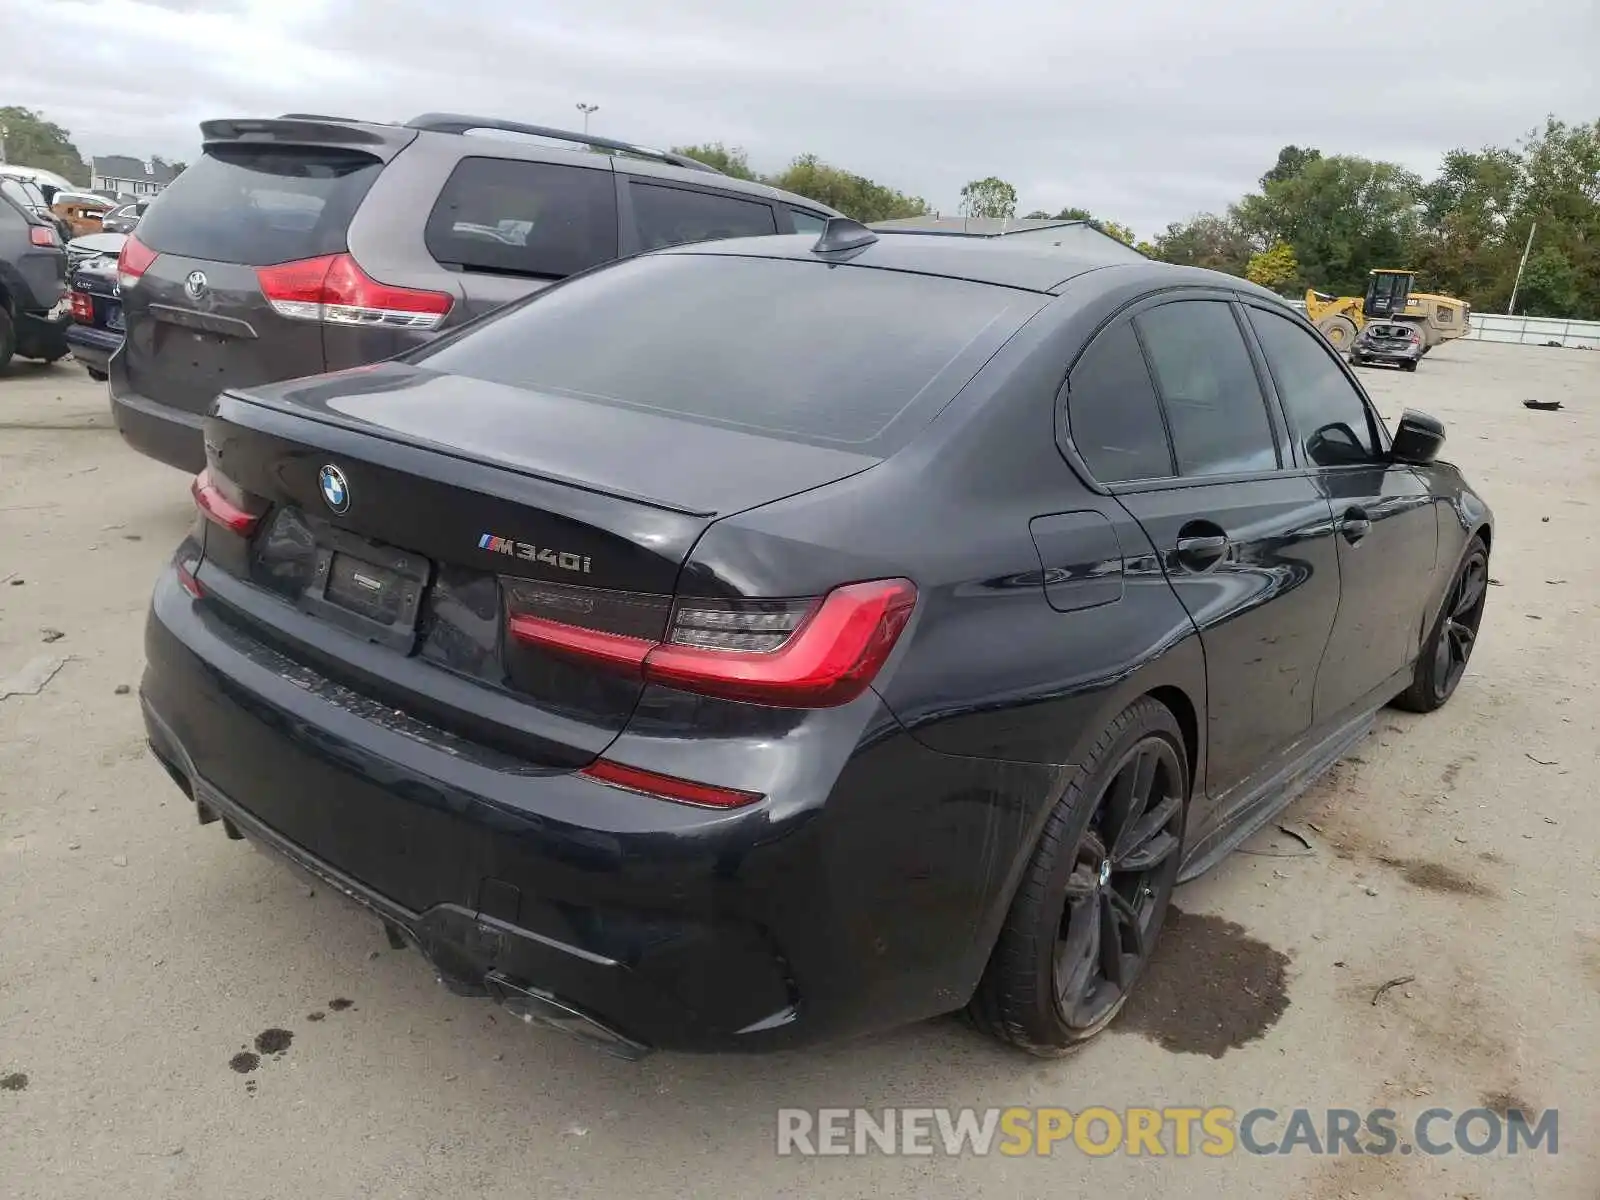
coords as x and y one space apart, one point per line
1395 345
33 308
125 217
708 651
306 244
97 328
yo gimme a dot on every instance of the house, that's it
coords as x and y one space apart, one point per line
1066 235
120 175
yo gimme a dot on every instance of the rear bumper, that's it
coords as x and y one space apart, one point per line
640 923
42 336
158 431
93 347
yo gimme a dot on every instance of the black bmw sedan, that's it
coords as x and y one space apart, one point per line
765 641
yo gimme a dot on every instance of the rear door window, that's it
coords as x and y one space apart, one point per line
805 351
1208 387
668 216
1113 414
259 205
542 220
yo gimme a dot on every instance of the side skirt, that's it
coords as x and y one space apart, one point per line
1266 799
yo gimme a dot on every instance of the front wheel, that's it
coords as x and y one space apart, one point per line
1443 659
1091 904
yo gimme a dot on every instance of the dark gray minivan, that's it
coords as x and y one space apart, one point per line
305 244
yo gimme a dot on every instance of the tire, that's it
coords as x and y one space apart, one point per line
8 339
1443 659
1340 331
1051 937
1412 365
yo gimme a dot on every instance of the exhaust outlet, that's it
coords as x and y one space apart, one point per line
540 1008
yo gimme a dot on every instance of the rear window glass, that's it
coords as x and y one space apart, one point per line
802 350
524 218
259 205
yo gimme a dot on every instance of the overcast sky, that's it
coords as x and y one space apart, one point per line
1141 111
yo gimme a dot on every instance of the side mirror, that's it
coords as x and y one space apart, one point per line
1418 438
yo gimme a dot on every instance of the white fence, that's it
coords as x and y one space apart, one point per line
1533 331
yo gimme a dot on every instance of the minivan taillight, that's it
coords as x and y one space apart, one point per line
134 261
335 289
815 653
42 235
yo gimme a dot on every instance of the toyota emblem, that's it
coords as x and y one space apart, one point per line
195 285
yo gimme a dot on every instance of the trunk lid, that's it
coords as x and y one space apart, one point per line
458 502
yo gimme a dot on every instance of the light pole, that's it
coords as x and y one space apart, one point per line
586 109
4 130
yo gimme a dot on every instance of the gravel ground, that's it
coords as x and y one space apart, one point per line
181 1016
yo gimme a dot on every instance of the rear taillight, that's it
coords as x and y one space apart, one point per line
784 653
82 308
223 504
335 289
134 261
43 235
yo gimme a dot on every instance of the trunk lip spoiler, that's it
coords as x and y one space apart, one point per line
364 429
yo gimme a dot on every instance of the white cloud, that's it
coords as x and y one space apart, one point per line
1139 110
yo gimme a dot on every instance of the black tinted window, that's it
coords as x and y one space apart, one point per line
259 205
1113 413
798 349
668 216
1326 414
524 218
805 222
1209 388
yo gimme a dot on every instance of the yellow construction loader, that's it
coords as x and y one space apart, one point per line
1389 297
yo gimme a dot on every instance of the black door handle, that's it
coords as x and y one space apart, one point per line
1355 526
1202 552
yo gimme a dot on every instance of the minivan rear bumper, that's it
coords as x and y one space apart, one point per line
636 922
159 431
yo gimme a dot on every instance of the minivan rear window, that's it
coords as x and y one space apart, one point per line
811 352
259 205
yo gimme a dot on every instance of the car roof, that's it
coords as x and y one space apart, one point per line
980 260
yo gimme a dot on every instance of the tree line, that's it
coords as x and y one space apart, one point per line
1324 221
1315 220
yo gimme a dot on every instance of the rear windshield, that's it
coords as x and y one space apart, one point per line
259 205
802 350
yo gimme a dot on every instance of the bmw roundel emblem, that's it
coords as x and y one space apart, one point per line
335 491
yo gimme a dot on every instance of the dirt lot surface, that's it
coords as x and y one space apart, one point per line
180 1016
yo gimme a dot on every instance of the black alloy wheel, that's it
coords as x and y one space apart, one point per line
1122 877
1444 658
1087 913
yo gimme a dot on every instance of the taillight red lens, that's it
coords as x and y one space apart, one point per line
135 259
43 235
785 653
667 787
335 289
82 308
212 499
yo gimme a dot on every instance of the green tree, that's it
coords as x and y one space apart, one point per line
1121 232
1074 214
714 154
989 197
1343 216
32 141
1209 241
1550 285
1291 161
1275 268
1037 214
853 195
